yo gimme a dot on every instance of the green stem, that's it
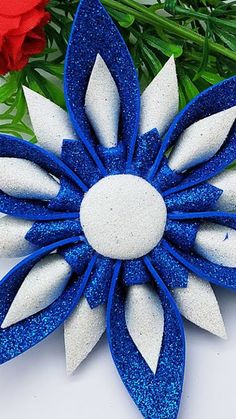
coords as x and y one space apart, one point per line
143 14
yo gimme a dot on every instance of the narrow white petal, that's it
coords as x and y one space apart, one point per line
217 243
82 331
160 100
44 284
102 104
50 123
12 237
227 182
198 304
24 179
145 322
201 141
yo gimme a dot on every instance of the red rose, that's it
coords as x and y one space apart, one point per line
21 32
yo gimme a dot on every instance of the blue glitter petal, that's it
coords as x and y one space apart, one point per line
170 270
34 209
217 274
134 272
20 337
166 177
146 149
203 216
215 99
75 155
30 209
45 233
94 33
182 233
77 255
199 198
156 395
114 158
15 147
69 198
216 165
97 290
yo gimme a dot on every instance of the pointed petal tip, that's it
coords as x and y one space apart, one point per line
82 330
102 103
217 329
50 127
202 140
160 100
198 304
5 324
145 322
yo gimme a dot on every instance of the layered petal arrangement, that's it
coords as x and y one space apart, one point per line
125 214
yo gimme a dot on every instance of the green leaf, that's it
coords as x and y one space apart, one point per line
211 78
20 105
182 100
228 39
167 49
188 87
46 87
227 25
124 19
8 89
51 68
205 54
151 60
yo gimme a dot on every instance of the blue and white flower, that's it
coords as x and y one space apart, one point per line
125 214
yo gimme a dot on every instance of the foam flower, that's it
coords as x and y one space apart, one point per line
124 212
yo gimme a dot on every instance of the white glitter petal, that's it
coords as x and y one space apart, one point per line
82 331
12 237
123 216
145 321
50 123
227 182
42 286
201 141
198 304
217 243
160 100
102 104
24 179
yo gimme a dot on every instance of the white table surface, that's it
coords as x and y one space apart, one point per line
35 384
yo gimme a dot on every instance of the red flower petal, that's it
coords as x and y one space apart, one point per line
8 23
19 7
29 21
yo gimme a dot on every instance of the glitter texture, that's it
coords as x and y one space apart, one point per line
171 271
217 274
68 199
146 149
183 234
99 285
114 158
77 158
27 333
134 272
44 233
103 282
135 373
93 32
199 198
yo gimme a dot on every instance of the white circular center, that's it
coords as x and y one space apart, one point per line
123 217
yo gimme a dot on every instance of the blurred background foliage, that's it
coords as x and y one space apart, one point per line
201 34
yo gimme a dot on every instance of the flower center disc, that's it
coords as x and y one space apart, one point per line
123 217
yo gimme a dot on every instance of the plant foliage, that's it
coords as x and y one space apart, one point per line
199 33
